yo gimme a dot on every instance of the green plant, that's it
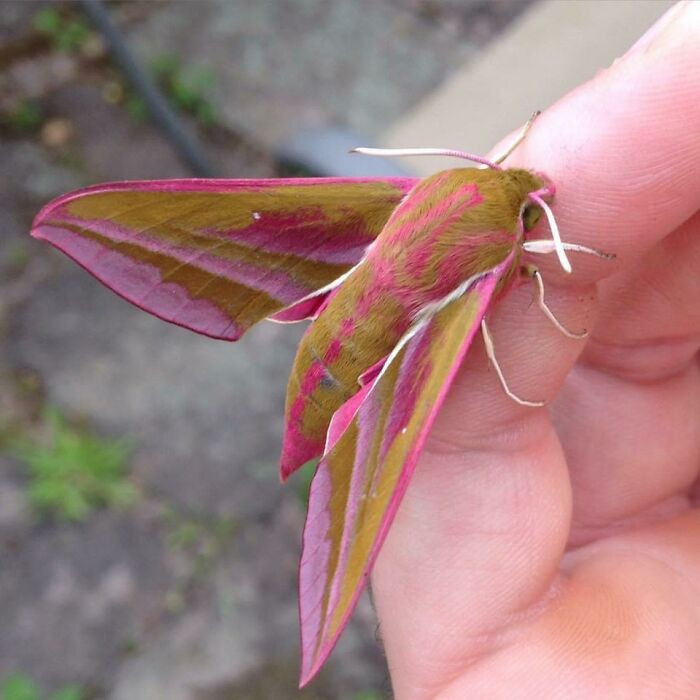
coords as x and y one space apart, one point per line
302 481
199 535
24 118
136 108
187 88
198 539
65 33
18 686
69 692
72 473
17 256
368 695
184 535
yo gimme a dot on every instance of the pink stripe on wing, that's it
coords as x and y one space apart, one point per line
277 283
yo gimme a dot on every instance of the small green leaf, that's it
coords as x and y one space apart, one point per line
72 35
69 692
47 20
205 114
17 686
184 535
165 64
183 94
368 695
136 108
25 117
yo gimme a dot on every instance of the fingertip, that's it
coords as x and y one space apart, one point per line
681 21
623 148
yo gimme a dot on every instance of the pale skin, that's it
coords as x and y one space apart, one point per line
555 552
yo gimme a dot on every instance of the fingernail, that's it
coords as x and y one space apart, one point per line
650 36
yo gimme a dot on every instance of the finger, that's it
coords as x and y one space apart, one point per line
480 533
651 306
629 413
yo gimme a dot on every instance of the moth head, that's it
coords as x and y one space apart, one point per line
527 182
531 215
538 200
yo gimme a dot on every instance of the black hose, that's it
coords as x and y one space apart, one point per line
164 118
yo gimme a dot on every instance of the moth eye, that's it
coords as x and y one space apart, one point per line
531 215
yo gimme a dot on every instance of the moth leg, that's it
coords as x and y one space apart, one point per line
490 353
534 274
518 139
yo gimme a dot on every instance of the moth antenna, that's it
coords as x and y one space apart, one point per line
450 153
558 244
491 354
534 273
401 152
519 138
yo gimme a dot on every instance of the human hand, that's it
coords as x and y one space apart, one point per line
555 552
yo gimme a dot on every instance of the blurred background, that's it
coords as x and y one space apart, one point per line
147 549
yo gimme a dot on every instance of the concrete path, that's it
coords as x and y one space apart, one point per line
546 52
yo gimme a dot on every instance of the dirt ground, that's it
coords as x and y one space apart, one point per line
191 591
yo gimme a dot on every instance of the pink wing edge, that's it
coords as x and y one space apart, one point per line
40 230
194 184
485 287
231 334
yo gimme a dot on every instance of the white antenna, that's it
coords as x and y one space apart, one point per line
450 153
401 152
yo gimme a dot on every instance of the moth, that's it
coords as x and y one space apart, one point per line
396 275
